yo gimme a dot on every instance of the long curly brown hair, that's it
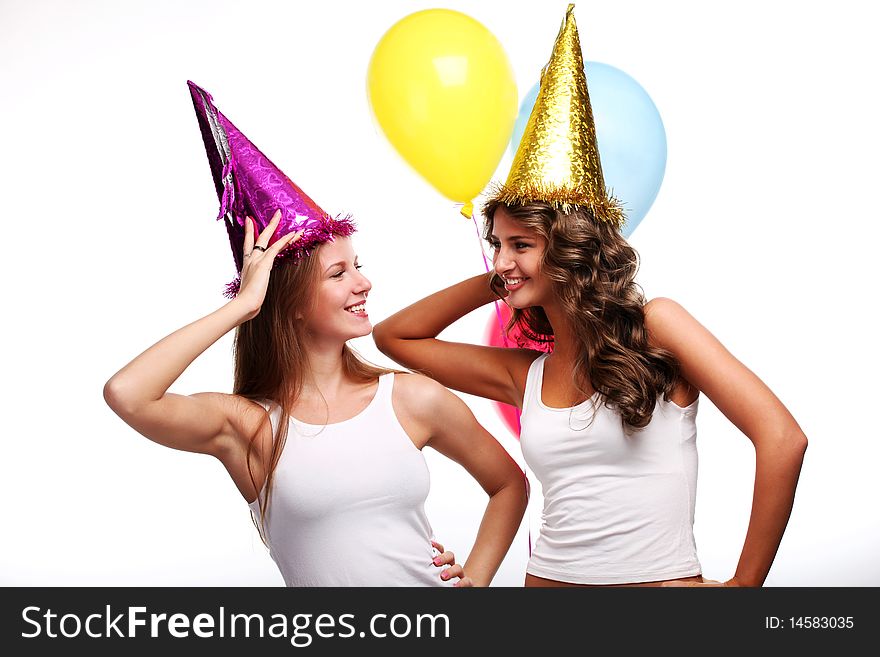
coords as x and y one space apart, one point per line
592 270
269 354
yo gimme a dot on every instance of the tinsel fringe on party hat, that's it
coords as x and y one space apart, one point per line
603 208
339 226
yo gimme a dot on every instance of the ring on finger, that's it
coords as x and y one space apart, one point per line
257 247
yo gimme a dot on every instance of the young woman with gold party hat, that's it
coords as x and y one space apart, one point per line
608 416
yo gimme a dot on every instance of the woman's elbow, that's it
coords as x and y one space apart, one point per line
119 397
383 338
111 393
802 442
801 448
792 446
380 336
796 440
518 485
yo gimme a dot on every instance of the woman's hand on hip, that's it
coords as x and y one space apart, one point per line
445 558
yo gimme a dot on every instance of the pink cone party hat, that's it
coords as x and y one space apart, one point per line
249 185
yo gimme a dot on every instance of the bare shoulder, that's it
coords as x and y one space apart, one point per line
418 394
668 323
661 310
418 402
708 366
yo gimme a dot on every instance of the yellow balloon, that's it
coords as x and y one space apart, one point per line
442 89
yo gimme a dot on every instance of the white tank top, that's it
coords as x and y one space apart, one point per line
347 507
618 507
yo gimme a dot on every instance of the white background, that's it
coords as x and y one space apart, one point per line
765 228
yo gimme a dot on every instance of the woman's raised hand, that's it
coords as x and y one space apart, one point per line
258 259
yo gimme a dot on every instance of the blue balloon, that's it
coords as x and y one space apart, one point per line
632 141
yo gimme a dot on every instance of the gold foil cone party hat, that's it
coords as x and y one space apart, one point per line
558 158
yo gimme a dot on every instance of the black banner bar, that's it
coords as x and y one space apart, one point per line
433 621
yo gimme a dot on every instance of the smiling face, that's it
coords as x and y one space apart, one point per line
517 260
338 309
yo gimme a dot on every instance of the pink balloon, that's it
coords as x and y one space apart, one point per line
495 337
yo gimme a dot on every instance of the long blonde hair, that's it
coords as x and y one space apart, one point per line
270 351
592 271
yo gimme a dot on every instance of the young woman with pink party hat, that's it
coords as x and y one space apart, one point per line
325 447
608 416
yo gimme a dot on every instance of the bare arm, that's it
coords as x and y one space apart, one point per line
209 423
750 405
138 393
410 338
452 430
